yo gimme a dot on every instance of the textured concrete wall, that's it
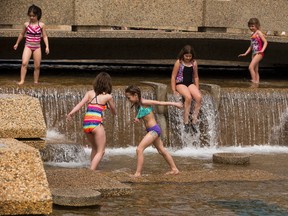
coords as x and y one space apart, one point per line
141 13
235 14
14 12
183 14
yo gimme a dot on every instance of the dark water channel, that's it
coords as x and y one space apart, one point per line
269 153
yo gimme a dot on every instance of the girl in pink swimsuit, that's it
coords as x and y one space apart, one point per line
257 46
34 30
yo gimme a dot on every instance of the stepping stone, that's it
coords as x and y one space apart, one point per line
75 197
232 158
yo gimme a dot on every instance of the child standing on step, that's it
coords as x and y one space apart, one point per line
33 29
97 101
145 112
257 46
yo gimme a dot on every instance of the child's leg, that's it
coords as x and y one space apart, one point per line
98 142
253 68
159 145
196 94
184 91
37 61
25 61
145 142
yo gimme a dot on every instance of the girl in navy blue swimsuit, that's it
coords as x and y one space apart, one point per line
145 112
185 81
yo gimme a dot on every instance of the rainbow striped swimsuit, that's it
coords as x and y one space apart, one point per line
93 116
33 37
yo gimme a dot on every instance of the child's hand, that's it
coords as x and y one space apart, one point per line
136 120
179 105
175 92
68 117
15 46
47 50
241 55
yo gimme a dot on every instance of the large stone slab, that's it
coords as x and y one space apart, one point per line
66 183
23 183
21 117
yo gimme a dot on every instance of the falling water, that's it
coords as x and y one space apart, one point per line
245 117
206 134
253 116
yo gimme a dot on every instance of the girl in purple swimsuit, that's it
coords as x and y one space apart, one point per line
34 30
97 101
257 46
145 112
185 81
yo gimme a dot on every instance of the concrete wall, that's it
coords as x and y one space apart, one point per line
183 14
236 13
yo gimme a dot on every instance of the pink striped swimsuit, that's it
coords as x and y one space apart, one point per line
33 37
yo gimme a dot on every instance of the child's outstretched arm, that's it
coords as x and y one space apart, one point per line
20 37
246 53
161 103
78 106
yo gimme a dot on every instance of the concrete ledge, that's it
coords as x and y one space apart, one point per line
23 183
21 117
73 179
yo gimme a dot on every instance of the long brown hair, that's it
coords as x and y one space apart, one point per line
102 83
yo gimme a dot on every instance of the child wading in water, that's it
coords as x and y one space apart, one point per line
185 81
257 46
144 112
97 101
34 29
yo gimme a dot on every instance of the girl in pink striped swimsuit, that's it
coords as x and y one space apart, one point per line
34 30
258 45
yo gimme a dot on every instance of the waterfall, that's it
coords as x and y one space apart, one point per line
57 101
253 116
207 125
244 117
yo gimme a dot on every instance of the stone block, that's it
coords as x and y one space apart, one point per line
23 183
21 117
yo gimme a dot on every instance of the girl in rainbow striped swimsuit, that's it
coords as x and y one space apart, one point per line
34 30
97 101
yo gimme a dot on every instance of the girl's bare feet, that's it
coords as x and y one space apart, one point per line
20 83
136 175
173 172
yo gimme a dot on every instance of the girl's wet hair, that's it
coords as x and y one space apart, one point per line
254 21
35 10
187 49
132 89
102 83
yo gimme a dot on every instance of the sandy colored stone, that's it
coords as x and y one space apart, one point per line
199 176
75 197
21 117
23 184
231 158
69 179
